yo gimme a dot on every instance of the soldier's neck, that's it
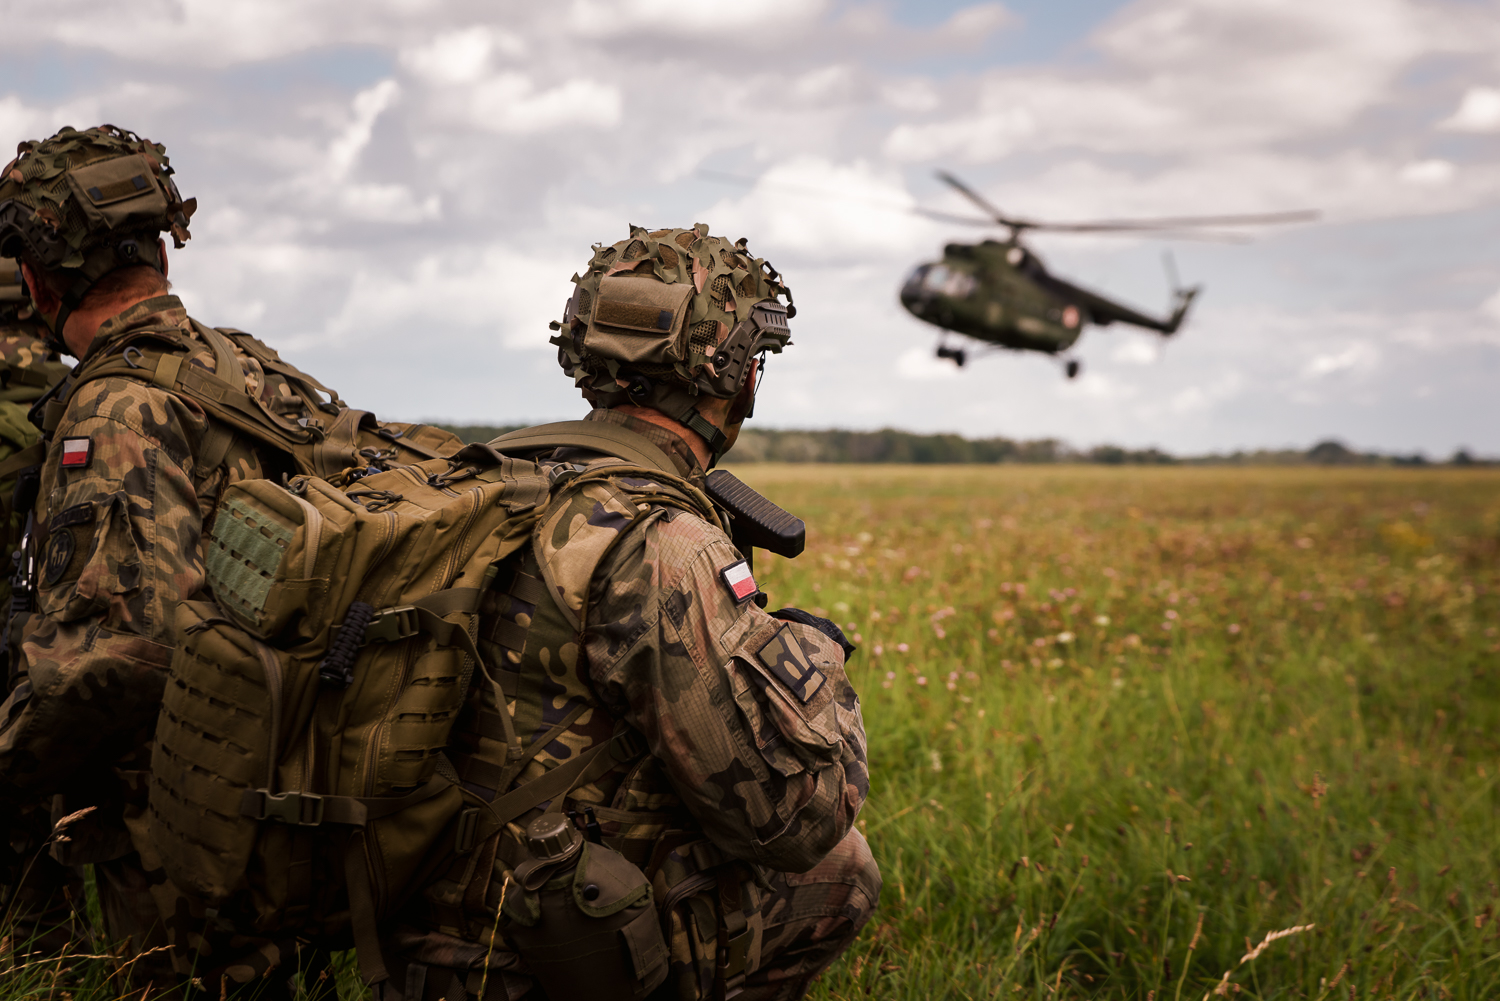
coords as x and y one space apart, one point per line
691 438
84 322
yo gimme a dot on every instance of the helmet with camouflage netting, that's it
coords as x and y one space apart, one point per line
665 317
84 204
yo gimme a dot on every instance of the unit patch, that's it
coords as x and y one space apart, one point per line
59 556
784 658
740 581
77 453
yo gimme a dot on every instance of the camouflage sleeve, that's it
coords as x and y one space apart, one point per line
754 719
118 549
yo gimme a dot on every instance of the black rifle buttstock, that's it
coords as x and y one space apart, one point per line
756 521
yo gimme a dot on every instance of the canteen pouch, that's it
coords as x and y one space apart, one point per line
591 930
639 320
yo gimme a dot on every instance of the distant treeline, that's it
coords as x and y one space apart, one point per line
890 445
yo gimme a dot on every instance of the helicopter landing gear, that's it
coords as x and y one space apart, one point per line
1073 367
956 355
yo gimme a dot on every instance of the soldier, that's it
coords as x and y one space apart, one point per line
135 464
47 895
749 766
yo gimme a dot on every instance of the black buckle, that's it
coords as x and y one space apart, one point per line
302 809
392 624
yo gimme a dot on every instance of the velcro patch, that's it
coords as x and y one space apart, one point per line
78 514
784 658
77 453
740 581
58 557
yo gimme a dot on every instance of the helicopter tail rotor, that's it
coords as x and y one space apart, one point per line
1184 301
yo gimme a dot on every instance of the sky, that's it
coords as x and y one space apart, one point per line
395 193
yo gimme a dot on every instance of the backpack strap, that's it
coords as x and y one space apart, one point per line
597 436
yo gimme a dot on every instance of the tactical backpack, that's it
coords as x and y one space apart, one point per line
299 784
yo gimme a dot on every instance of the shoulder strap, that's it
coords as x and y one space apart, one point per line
611 439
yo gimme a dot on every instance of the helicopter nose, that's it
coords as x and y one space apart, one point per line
912 289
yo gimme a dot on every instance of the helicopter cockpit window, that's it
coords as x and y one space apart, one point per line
946 281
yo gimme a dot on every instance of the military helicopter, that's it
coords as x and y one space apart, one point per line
1001 294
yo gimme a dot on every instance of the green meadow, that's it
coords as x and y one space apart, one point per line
1125 724
1157 732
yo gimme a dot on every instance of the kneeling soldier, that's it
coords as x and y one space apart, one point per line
737 764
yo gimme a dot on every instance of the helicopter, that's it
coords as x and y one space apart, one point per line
998 292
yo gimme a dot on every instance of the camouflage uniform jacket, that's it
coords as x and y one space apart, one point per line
119 521
753 728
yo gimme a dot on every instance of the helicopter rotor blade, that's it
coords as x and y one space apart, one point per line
982 202
1177 222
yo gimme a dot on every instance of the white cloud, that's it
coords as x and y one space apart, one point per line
1479 111
1428 172
921 364
1355 357
767 18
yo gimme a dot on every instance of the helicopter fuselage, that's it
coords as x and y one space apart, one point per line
998 293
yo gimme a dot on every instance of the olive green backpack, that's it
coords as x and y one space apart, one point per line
299 784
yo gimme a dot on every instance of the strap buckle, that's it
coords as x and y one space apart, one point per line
735 956
392 624
302 809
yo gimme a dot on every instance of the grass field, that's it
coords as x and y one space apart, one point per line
1125 722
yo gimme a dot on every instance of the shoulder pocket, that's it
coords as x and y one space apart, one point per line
784 693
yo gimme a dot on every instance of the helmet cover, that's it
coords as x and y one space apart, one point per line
674 307
87 203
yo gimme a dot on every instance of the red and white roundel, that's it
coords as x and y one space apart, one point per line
1070 317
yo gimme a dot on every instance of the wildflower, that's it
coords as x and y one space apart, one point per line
912 573
842 607
952 675
1054 663
1110 572
1101 620
922 680
937 761
901 648
1171 613
890 676
1118 683
952 686
879 649
1167 626
1040 641
1234 628
1064 637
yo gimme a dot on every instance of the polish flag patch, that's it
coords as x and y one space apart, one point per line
77 452
739 580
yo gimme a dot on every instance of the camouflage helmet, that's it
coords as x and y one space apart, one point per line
665 317
88 203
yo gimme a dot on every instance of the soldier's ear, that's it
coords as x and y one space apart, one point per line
47 301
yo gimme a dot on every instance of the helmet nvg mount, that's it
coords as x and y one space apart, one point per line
665 317
89 203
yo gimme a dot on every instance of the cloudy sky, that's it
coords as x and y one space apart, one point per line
396 192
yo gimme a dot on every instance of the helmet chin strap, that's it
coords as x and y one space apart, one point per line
71 300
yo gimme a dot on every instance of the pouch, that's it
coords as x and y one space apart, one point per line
591 930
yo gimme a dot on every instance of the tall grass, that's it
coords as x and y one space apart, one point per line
1125 723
